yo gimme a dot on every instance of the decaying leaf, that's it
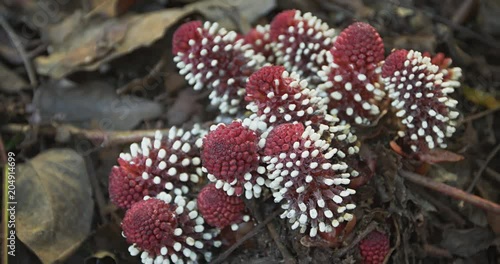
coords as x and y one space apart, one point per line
91 105
55 204
97 42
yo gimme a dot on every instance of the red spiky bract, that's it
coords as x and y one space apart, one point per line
156 164
420 100
352 77
183 34
282 137
277 96
359 45
307 172
218 209
259 38
217 59
300 42
374 248
394 62
230 151
229 154
167 228
127 187
282 21
150 224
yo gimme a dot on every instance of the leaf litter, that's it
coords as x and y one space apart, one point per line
79 89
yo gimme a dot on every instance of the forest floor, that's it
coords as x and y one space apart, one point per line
96 76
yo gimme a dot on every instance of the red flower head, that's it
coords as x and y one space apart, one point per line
260 39
157 164
212 57
359 45
352 77
276 97
307 172
301 41
420 97
219 209
374 248
166 229
230 157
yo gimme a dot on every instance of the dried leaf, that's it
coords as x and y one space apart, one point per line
481 97
97 42
55 204
467 242
91 105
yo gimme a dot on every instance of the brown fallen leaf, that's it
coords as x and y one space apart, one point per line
54 204
86 48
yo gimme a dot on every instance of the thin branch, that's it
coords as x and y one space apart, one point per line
463 11
287 257
450 191
19 47
478 115
492 154
249 235
491 173
434 251
101 138
341 252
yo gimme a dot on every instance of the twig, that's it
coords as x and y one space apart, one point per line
436 252
478 115
491 173
19 47
450 191
287 257
254 210
249 235
356 240
98 137
463 11
492 154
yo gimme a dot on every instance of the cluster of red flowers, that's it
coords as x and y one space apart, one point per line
307 89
